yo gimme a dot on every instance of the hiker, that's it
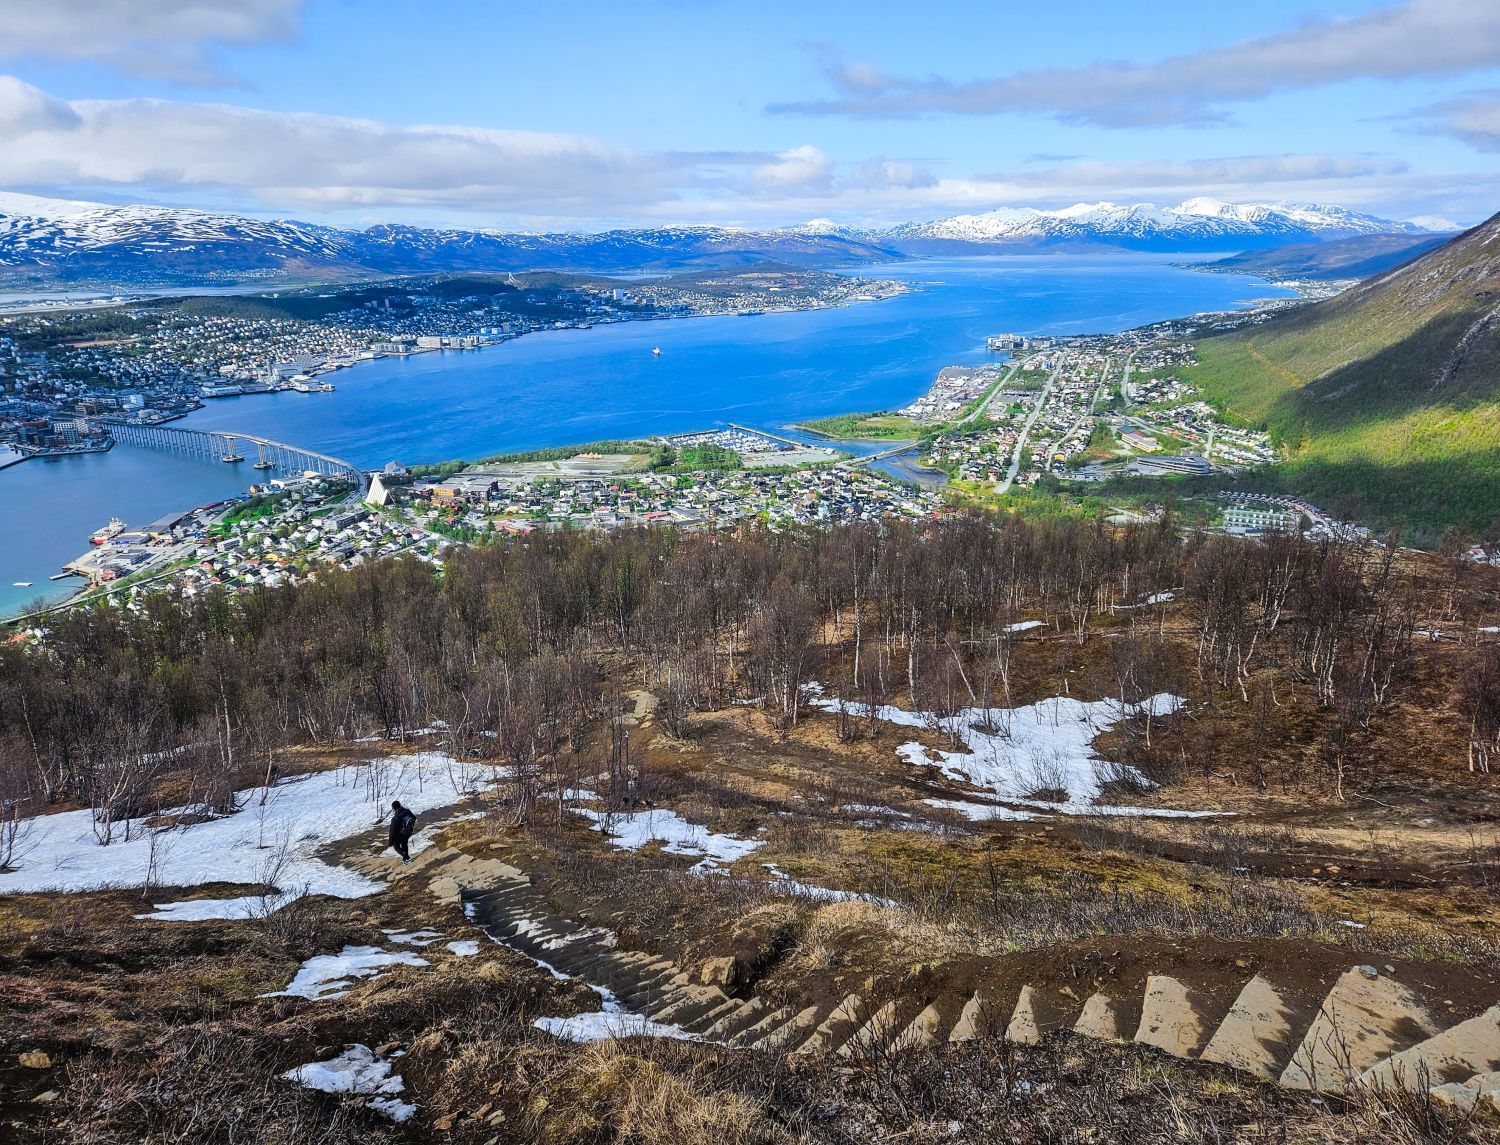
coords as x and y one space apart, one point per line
403 823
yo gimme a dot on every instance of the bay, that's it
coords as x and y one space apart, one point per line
564 386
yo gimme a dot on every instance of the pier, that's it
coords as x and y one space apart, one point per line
229 446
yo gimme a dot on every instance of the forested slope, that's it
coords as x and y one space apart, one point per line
1387 397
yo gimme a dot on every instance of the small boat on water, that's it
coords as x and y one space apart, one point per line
21 583
114 528
656 351
264 465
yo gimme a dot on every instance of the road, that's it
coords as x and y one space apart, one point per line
984 404
1036 412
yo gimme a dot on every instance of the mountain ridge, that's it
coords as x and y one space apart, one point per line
143 244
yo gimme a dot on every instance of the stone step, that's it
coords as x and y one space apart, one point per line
1102 1017
1454 1055
705 1021
764 1027
1481 1092
925 1030
732 1024
837 1028
688 1003
1257 1035
793 1032
1366 1017
873 1037
1170 1019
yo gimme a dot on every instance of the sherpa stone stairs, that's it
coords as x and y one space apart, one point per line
1369 1029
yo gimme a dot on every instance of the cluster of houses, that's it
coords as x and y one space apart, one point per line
289 546
712 498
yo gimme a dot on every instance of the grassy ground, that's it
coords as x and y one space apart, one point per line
1371 438
876 426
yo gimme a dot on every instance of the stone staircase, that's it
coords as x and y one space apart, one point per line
1367 1030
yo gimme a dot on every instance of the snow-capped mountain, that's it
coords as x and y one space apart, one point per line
54 240
1196 225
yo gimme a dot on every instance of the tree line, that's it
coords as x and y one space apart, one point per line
518 648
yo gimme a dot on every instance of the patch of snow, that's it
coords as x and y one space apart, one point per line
1351 924
1025 625
357 1071
1160 598
331 975
464 947
981 812
812 891
272 838
630 831
612 1020
1016 752
424 937
872 809
200 910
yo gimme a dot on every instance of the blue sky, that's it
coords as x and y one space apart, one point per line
666 111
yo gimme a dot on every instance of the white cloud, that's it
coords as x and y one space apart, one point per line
1473 118
357 170
1420 38
170 38
802 168
315 161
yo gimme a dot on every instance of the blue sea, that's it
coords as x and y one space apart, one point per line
565 386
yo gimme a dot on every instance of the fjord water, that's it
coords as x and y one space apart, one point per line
563 386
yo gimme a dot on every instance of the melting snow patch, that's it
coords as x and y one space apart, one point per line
979 812
1042 747
1351 924
357 1071
199 910
1025 625
331 975
424 937
612 1020
633 830
272 838
812 891
464 947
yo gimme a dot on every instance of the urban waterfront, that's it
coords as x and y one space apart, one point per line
579 385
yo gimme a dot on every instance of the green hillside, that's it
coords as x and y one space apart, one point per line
1386 398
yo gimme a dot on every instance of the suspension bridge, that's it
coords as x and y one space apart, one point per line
231 447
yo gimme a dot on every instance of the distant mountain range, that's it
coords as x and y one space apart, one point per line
1357 257
50 241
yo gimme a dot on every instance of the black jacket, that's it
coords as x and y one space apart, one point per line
403 823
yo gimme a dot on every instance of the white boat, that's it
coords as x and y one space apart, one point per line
114 528
656 351
21 583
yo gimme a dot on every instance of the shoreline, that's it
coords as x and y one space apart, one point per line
902 289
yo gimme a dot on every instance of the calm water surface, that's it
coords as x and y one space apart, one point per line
568 386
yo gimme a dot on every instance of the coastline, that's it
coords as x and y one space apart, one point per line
561 428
